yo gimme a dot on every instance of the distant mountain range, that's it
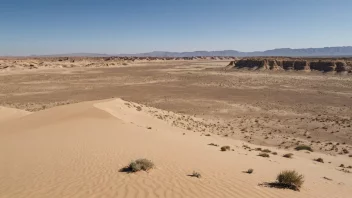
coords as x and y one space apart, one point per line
326 51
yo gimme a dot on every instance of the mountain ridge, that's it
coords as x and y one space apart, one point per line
299 52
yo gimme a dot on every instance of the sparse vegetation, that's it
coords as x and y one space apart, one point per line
225 148
138 108
250 171
327 178
304 147
212 144
345 170
290 178
196 174
264 155
319 160
288 155
266 151
274 153
139 165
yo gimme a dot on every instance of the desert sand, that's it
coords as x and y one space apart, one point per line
67 131
7 114
77 150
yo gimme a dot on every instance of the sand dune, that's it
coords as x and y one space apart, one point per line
7 114
77 150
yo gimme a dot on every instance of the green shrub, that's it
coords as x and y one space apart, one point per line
304 147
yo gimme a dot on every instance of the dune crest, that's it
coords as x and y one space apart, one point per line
7 114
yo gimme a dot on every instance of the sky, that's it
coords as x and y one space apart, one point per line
40 27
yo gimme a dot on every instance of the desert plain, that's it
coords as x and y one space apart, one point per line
69 125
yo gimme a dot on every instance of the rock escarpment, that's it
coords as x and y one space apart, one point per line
324 65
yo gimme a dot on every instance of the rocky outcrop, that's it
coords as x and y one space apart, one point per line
312 64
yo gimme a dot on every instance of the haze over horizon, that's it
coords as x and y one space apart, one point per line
125 27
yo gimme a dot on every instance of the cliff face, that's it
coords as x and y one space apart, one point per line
326 65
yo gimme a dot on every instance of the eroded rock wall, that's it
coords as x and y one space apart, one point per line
332 65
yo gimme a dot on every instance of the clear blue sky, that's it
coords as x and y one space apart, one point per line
130 26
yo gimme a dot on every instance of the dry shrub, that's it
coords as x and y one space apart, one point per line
319 160
139 165
195 174
139 108
212 144
225 148
288 155
290 178
304 147
264 155
266 151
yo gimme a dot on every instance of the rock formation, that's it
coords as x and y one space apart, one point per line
309 64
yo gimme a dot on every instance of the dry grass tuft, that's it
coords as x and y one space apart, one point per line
138 165
195 174
290 177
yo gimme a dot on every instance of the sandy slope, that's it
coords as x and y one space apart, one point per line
77 151
7 114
